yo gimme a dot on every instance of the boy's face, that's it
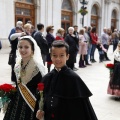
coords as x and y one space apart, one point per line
59 56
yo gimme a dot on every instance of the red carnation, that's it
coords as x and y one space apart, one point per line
6 90
40 86
110 65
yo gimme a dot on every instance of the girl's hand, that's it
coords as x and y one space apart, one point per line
40 114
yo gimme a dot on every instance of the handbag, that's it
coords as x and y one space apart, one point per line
11 59
0 45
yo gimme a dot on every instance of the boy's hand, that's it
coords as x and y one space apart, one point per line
40 114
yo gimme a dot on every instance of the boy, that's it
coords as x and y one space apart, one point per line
66 97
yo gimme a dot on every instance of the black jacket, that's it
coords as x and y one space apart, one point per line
73 48
50 38
42 42
66 97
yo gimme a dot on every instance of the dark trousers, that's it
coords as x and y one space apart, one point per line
105 53
92 52
86 59
101 55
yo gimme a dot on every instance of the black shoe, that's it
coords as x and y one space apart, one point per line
108 60
88 64
117 98
94 60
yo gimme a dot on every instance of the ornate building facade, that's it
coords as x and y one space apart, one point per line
60 13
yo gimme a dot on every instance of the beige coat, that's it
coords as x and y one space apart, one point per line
82 45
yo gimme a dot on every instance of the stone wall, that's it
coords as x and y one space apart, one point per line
5 43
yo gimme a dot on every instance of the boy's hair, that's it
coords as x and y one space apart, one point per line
59 44
40 26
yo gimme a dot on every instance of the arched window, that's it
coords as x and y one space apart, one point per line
94 16
66 5
25 11
114 14
113 20
29 1
67 14
94 10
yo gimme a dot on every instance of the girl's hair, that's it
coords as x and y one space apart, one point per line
93 30
60 44
31 43
82 31
27 26
60 30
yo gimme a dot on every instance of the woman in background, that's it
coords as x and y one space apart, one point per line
82 49
60 34
50 38
72 41
94 38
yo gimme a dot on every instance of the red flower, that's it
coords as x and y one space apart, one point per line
110 65
40 86
6 89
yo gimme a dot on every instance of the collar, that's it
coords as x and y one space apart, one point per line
61 69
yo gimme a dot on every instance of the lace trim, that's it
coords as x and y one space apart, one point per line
30 71
117 56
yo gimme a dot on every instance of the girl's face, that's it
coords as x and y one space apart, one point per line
59 57
25 49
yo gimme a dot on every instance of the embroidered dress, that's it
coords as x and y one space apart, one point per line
114 84
18 109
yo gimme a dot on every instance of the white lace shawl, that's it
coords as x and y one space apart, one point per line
117 55
36 57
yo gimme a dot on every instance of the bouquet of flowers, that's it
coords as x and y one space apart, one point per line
6 91
41 104
110 66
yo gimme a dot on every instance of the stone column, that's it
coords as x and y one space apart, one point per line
108 13
37 12
102 15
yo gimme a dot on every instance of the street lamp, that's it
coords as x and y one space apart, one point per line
83 10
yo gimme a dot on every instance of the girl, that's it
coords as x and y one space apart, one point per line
114 84
29 70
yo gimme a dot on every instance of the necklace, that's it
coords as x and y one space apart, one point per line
23 68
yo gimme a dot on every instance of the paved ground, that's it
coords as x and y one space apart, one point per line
96 77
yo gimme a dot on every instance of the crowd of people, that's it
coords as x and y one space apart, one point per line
65 94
